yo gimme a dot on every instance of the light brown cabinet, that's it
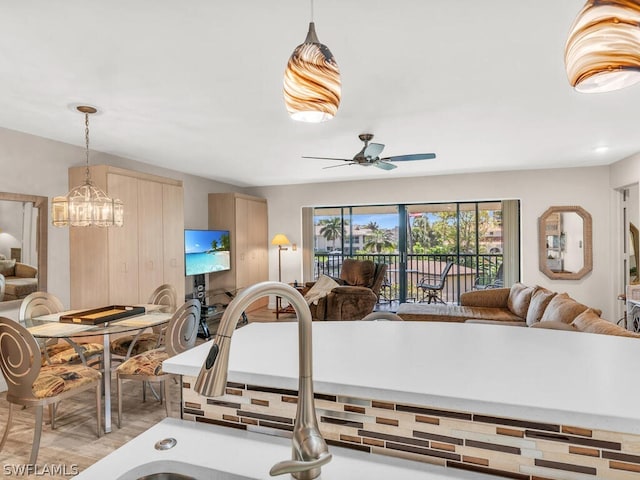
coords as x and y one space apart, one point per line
246 218
124 265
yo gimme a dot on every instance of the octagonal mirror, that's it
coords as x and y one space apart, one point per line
564 243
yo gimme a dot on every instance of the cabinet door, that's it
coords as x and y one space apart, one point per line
173 228
150 244
88 258
258 241
243 265
123 243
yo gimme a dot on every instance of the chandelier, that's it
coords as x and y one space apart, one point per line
86 205
312 80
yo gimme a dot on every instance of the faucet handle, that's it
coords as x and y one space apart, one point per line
293 466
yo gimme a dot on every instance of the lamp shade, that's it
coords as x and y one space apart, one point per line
603 49
280 239
312 86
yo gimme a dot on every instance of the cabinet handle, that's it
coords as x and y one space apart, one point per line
124 267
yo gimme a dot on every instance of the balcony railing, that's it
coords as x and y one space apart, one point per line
467 272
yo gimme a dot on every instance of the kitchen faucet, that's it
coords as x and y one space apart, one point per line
310 450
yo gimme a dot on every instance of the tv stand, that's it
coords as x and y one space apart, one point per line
213 310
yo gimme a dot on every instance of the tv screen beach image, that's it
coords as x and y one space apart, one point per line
206 251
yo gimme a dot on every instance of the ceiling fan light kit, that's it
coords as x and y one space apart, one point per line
603 48
312 86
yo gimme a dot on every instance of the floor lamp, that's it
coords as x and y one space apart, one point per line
280 239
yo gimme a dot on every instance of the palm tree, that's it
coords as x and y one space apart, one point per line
373 226
379 240
331 229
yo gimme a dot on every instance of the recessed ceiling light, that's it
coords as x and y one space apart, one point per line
601 149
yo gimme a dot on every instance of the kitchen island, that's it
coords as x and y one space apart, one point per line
514 402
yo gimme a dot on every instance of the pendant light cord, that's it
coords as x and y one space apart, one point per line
311 11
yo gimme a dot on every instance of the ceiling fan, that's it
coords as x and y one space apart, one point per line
369 155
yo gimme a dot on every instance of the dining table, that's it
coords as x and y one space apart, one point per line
50 327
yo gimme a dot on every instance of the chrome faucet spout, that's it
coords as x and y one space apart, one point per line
310 451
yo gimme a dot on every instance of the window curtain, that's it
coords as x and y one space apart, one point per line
511 241
307 244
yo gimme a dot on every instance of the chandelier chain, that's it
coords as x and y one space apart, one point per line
86 143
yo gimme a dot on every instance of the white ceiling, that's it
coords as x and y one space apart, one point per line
196 85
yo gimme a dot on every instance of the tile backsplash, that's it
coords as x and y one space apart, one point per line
507 447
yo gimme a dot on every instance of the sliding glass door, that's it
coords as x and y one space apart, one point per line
416 241
467 234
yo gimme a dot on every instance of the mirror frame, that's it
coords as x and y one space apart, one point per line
635 249
42 204
587 233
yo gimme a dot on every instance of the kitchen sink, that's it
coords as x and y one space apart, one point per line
172 470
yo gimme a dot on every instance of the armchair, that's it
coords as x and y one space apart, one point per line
357 294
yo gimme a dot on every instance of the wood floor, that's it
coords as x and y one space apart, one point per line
74 446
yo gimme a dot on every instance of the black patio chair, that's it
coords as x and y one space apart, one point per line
432 285
486 282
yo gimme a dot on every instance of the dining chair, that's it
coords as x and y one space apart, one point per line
31 384
382 315
126 346
53 351
181 334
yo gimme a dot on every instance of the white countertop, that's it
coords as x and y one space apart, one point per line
572 378
202 446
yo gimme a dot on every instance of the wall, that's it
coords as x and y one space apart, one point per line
573 255
38 166
537 190
10 227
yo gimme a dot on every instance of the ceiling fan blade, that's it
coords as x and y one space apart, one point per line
385 165
410 158
329 158
373 150
343 165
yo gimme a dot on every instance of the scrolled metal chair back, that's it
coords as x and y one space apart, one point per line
19 359
39 303
182 330
382 315
165 295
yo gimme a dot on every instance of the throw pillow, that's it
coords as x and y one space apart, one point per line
320 289
589 321
584 322
7 267
519 299
563 308
539 302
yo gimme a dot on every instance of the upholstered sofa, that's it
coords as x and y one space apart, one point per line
20 279
520 306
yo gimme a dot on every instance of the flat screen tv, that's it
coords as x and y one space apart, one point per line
206 251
